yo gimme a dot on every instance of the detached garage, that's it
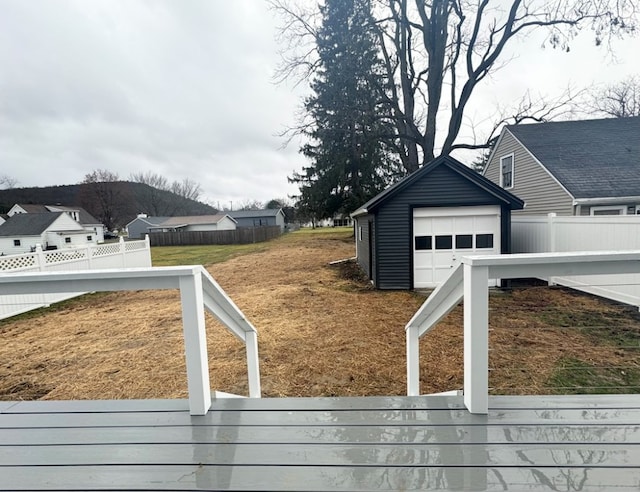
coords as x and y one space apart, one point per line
414 232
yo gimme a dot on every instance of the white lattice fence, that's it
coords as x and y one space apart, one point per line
132 254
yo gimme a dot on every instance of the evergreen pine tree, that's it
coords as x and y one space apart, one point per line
352 129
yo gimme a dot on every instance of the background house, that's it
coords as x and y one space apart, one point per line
138 227
589 167
143 224
413 233
259 218
218 222
78 214
22 232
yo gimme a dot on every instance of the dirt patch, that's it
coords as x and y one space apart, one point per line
323 331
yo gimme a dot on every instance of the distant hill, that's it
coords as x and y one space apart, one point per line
114 204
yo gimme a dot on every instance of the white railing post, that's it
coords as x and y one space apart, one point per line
253 364
195 343
476 338
413 361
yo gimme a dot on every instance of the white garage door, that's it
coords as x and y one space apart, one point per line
441 236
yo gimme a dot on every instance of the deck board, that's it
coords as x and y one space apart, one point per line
413 443
341 479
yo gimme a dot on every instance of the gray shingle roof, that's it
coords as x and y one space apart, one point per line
591 158
28 224
243 214
85 218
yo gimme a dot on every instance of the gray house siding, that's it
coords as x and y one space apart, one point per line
532 183
440 188
256 219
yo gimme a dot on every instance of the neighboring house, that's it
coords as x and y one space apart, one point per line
78 214
142 225
589 167
414 232
139 227
22 232
259 218
3 218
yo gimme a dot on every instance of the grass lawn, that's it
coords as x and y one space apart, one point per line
323 331
208 255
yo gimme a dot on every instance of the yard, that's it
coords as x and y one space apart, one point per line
323 331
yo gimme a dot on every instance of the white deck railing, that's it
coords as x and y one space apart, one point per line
198 291
469 280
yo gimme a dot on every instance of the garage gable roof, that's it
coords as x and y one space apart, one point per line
477 179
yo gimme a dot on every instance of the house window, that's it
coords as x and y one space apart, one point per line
67 240
16 242
360 233
422 242
444 242
616 210
506 171
484 241
89 238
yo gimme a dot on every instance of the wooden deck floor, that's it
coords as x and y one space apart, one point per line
402 443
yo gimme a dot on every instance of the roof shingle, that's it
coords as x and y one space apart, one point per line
590 158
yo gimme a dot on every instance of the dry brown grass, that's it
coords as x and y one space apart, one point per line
322 332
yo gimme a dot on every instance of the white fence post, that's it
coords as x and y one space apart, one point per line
413 361
89 256
123 252
40 258
195 344
476 338
551 231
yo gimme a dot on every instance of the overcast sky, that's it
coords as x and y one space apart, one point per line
184 89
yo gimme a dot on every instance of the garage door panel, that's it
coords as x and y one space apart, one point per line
451 233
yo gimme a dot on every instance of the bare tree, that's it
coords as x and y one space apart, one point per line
103 196
620 100
7 182
250 205
437 53
152 179
187 188
164 198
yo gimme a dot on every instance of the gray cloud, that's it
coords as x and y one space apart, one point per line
179 88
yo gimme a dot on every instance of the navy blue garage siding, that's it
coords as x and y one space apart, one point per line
441 187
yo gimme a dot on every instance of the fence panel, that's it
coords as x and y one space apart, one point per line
122 254
242 235
554 234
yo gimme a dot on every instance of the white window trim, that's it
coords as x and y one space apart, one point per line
621 208
513 170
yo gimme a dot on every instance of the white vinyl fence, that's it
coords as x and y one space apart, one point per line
129 254
558 234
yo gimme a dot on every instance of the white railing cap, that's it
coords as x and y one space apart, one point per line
545 258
